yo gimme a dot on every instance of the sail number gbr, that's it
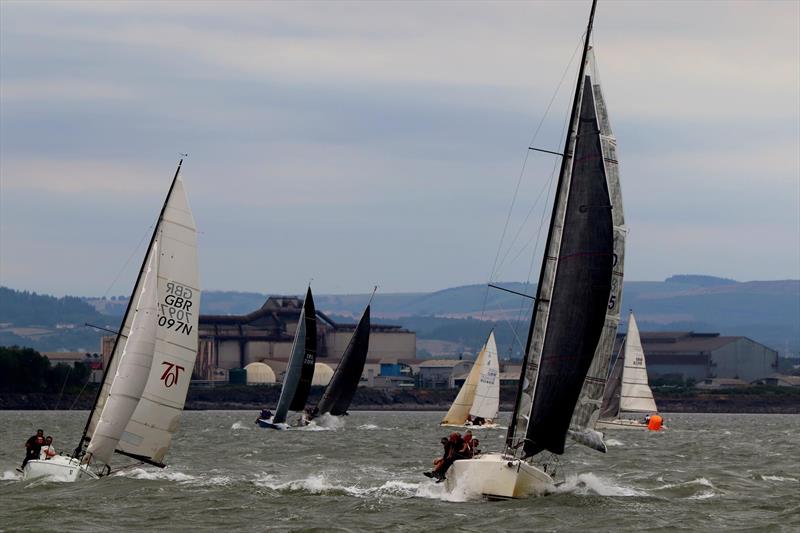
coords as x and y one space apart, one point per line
175 310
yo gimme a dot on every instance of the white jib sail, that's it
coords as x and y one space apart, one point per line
132 370
149 432
636 396
459 411
487 393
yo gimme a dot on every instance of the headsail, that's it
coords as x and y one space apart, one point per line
574 285
342 387
587 410
636 396
487 393
301 363
459 411
132 370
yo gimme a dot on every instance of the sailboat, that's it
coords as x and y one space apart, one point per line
300 372
574 313
627 399
478 401
340 391
138 406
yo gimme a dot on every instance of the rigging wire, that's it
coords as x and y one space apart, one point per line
494 272
148 231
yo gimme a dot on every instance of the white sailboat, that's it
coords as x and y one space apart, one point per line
574 314
138 406
479 397
628 398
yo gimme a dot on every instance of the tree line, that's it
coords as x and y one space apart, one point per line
25 370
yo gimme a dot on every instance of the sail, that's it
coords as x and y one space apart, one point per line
297 363
342 387
132 370
459 411
589 403
487 392
636 396
574 285
610 408
156 419
178 307
309 357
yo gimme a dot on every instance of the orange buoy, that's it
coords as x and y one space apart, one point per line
655 423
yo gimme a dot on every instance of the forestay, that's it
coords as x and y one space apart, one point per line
636 396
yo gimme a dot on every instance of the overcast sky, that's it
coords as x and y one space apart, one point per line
364 143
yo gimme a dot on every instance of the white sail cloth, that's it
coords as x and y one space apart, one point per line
480 393
132 370
636 396
149 431
487 392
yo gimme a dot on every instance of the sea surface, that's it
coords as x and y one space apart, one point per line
363 472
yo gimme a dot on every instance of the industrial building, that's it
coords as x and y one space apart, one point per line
265 336
701 356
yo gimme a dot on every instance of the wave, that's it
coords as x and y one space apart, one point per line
178 477
779 478
614 442
240 425
10 475
590 483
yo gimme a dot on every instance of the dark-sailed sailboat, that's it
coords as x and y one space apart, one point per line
300 371
575 313
342 387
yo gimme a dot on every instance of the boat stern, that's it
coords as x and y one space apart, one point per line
496 476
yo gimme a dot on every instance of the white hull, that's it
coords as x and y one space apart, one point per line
496 476
621 423
60 468
470 426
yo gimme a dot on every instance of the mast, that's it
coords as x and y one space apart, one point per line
107 368
565 161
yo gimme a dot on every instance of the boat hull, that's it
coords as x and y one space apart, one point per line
496 476
470 426
622 423
268 424
60 468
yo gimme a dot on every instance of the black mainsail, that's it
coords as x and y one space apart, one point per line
309 357
342 387
575 282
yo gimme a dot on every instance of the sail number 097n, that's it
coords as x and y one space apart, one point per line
176 308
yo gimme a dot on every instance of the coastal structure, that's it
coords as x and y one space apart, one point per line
265 336
701 356
93 362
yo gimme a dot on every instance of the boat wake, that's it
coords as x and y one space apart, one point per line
324 422
320 484
241 425
10 475
589 483
695 489
178 477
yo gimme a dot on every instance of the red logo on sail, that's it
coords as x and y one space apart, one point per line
170 375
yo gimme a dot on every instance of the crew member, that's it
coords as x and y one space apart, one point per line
33 447
48 450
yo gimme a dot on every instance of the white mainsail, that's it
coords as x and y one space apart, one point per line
636 396
487 392
148 434
462 405
132 370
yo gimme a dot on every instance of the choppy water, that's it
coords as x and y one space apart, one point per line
708 472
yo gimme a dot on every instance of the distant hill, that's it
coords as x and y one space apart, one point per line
461 317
